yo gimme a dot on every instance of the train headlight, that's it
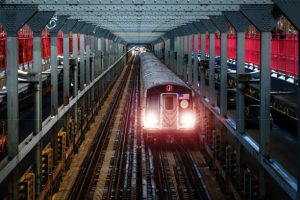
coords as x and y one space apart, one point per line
151 120
187 120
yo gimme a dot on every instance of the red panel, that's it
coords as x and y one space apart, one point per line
193 39
78 37
60 44
207 44
199 43
46 44
2 49
231 46
70 42
25 45
218 45
252 49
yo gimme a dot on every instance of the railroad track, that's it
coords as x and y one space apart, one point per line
123 166
176 174
108 137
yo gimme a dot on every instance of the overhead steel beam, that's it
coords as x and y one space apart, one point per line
138 2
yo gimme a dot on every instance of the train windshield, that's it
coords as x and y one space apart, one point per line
169 102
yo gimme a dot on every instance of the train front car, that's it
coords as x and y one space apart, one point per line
167 102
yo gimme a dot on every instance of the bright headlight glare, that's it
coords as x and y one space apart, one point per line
187 120
151 120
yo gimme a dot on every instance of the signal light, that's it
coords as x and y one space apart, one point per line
47 162
27 186
61 144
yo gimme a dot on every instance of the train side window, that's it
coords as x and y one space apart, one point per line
152 102
169 103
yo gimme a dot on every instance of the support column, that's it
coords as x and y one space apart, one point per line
265 89
12 110
202 57
181 64
75 87
222 24
172 52
166 52
263 18
190 68
37 24
88 66
67 27
212 95
75 31
223 81
93 72
195 69
37 65
82 61
178 45
185 62
12 20
53 30
240 97
240 23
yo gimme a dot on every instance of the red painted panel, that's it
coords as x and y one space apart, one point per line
2 49
231 46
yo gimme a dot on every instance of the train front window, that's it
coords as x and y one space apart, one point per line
169 102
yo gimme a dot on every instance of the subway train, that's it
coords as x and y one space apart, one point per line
167 103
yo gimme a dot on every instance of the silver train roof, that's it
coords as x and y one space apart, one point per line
156 73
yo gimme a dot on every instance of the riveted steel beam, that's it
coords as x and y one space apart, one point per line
68 25
138 2
200 27
221 23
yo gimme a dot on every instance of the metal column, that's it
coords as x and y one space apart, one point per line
263 18
38 23
223 81
166 52
222 24
178 44
54 77
82 61
202 57
212 96
88 66
67 27
240 66
195 67
93 70
172 52
185 62
12 108
37 65
12 20
190 67
181 61
240 24
265 89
